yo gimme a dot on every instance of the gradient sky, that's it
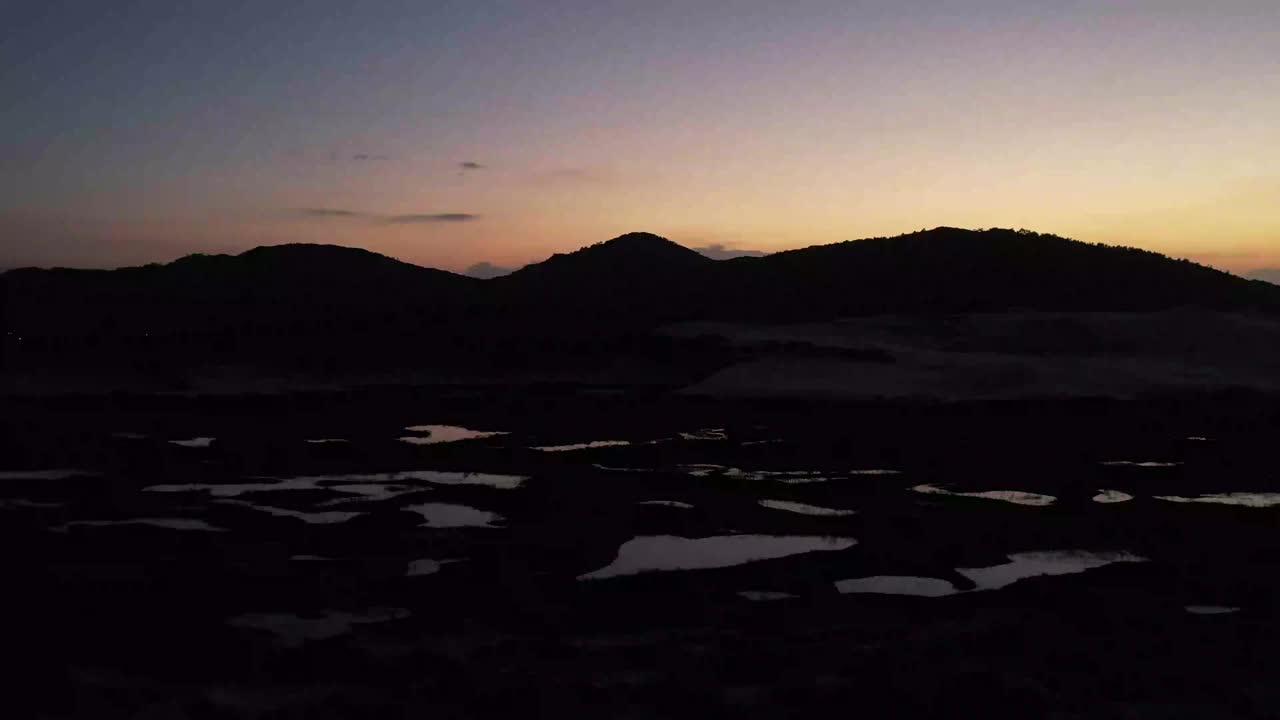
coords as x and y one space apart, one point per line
142 131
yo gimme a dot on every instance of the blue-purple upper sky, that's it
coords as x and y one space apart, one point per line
447 133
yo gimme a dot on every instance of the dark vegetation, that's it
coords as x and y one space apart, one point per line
320 308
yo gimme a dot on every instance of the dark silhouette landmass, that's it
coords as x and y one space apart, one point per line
322 308
1271 275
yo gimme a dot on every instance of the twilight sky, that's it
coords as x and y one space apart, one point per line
447 133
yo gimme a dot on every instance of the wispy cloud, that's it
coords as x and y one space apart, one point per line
469 165
404 219
331 213
720 251
430 218
367 157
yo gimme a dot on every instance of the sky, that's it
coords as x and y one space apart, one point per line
451 133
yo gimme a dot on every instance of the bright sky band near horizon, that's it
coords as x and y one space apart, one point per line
449 133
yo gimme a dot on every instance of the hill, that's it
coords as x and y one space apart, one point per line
334 308
948 270
286 299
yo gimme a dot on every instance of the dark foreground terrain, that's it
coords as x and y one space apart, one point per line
272 576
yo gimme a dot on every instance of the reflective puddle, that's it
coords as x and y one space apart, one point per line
669 552
898 585
705 434
370 492
1243 499
197 442
445 515
667 503
1036 564
583 446
426 566
1141 463
236 489
791 477
1211 609
311 518
167 523
58 474
1017 497
293 630
804 509
437 434
358 484
1020 567
1112 496
765 596
27 504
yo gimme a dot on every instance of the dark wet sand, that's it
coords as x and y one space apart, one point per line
147 621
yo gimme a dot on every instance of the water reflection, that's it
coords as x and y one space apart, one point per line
898 585
1112 496
58 474
1211 609
167 523
311 518
765 596
669 552
583 445
1020 567
370 492
445 515
804 509
1141 464
27 504
1036 564
293 630
356 484
791 477
427 566
1243 499
437 434
1016 497
705 434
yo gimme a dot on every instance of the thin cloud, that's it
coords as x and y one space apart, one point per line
469 165
430 218
720 251
331 213
366 157
406 219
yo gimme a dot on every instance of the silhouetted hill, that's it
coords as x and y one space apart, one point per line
339 306
1269 275
637 278
955 270
223 305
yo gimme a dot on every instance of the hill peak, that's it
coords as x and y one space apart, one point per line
631 253
640 244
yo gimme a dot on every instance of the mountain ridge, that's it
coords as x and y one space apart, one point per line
301 300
